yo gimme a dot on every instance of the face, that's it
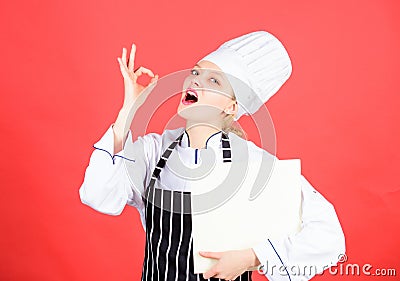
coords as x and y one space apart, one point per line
207 95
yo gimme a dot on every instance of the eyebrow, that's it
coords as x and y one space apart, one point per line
219 74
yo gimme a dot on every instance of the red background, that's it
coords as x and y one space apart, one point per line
61 88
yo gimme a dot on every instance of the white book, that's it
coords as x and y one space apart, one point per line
241 223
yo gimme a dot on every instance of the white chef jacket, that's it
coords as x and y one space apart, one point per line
107 188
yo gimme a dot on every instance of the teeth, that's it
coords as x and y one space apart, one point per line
190 95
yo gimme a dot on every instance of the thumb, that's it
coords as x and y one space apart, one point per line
213 255
153 82
154 79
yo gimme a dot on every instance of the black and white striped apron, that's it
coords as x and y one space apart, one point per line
168 250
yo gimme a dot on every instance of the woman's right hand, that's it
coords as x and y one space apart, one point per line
135 93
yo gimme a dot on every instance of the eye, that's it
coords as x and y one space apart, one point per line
214 80
194 72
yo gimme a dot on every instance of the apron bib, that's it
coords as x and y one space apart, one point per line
168 249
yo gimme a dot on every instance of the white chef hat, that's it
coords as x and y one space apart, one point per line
256 64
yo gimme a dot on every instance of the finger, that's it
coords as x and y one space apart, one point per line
123 68
132 58
152 84
213 255
210 273
154 79
122 65
123 56
141 70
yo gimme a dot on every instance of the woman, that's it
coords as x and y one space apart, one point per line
214 95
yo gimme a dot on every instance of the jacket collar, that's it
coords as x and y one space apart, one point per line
213 141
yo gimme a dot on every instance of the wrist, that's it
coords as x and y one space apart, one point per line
126 109
252 258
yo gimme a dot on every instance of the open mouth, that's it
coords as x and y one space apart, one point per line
190 96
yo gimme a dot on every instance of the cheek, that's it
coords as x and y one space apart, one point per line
215 99
186 82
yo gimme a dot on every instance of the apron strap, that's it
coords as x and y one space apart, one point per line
226 148
165 156
159 166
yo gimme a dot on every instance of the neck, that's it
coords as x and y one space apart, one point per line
199 133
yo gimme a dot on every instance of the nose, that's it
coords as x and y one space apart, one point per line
195 83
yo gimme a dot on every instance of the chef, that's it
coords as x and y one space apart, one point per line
159 173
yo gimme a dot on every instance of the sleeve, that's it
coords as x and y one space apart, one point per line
317 246
112 181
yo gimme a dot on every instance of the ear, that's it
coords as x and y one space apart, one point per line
231 108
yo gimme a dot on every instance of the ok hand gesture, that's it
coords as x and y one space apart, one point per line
135 93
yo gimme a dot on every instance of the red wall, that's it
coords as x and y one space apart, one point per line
61 88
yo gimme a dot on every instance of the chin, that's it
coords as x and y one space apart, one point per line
198 115
191 114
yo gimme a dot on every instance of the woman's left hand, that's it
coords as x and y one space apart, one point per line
230 264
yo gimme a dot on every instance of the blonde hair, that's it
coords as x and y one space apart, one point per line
229 125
